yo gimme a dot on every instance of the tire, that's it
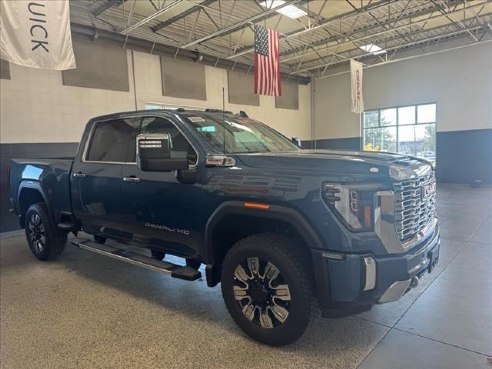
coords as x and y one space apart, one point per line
195 264
159 255
45 239
280 296
100 239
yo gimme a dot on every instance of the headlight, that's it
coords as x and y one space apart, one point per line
354 206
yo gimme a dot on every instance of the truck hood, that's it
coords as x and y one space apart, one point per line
372 164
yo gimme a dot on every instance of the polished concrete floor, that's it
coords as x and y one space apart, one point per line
88 311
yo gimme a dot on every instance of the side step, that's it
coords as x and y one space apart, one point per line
176 271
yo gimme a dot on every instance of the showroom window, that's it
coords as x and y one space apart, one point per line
406 129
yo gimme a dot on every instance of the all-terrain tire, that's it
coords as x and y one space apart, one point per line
45 239
281 252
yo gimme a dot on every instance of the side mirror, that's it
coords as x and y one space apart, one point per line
296 141
155 154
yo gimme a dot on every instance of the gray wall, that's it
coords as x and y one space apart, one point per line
101 64
459 81
289 98
4 69
241 88
182 78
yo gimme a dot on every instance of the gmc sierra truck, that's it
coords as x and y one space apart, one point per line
282 229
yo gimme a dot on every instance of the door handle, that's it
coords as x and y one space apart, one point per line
79 175
131 179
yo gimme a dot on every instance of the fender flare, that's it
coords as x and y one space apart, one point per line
32 185
277 212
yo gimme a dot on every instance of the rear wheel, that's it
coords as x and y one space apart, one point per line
266 289
45 239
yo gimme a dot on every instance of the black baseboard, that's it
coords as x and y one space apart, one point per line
8 222
350 143
464 156
461 156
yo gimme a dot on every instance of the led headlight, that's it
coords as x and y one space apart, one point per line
353 206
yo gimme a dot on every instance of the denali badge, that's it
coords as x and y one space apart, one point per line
428 190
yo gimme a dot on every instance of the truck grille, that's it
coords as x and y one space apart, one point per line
415 202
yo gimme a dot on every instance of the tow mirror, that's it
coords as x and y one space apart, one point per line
155 154
296 141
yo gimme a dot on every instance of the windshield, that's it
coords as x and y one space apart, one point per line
242 135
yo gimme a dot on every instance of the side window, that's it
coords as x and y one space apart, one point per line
180 147
114 140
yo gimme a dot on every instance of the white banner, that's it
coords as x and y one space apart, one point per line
356 82
37 33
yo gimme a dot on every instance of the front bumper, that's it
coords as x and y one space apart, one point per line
348 284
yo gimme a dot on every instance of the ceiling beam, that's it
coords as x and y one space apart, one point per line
397 47
105 6
151 17
237 26
367 8
176 18
377 34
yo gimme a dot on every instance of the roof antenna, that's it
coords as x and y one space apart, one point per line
223 119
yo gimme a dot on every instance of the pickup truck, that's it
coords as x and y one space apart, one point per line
287 232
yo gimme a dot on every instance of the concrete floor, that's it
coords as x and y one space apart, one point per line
88 311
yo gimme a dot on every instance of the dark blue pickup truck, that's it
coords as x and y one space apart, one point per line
282 229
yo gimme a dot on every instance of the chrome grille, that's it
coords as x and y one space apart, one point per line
414 206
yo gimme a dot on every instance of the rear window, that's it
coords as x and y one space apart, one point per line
114 141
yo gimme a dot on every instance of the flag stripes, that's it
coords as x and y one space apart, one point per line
267 68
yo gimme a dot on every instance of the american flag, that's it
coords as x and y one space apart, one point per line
267 68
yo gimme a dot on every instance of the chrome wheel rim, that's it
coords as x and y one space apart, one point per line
36 232
261 292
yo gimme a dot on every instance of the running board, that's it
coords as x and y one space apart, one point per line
176 271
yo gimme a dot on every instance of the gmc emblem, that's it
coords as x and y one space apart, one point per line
428 190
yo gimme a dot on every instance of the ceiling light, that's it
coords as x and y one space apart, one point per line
290 11
373 49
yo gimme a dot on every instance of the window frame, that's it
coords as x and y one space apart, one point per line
91 137
397 125
141 117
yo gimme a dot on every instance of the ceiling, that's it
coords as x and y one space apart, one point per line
329 34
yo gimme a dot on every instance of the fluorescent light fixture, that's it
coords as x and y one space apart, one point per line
290 11
373 49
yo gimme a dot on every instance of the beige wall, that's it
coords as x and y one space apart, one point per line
459 81
37 107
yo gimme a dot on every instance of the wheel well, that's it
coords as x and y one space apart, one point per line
27 197
234 227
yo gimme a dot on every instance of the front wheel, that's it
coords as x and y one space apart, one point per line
266 289
45 239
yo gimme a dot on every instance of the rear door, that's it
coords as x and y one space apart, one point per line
97 175
160 208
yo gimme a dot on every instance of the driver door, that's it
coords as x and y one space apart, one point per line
159 208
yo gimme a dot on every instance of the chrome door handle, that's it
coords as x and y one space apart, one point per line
131 179
79 175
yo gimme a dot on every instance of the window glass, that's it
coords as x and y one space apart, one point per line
406 115
388 117
114 141
426 113
380 139
407 130
371 119
241 135
180 147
